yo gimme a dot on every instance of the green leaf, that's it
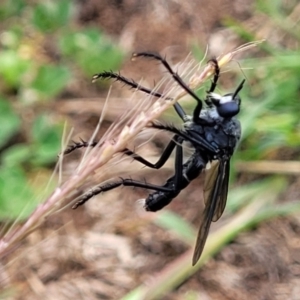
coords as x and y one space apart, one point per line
171 221
47 140
16 196
12 67
51 15
16 155
50 80
91 50
10 8
9 121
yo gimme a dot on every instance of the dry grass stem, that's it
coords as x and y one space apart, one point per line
269 167
126 128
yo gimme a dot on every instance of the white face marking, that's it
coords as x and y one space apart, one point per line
226 99
215 96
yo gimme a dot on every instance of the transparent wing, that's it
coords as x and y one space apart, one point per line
210 180
222 198
209 186
215 185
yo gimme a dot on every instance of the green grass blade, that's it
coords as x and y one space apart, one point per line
173 222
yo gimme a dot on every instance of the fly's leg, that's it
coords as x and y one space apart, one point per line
134 85
162 160
176 77
110 186
216 75
78 145
166 190
175 184
130 82
195 139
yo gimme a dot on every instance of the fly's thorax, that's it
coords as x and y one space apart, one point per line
223 135
233 129
211 116
212 113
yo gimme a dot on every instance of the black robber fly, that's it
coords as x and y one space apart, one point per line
212 131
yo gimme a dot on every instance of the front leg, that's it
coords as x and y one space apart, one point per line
78 145
176 77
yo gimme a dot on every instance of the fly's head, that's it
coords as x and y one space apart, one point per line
227 106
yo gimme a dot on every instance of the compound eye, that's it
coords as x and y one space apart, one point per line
228 109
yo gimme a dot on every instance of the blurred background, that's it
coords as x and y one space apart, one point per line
109 249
